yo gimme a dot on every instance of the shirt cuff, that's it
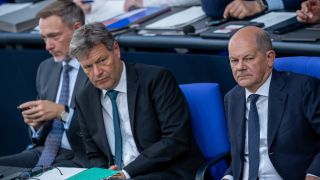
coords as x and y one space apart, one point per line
312 175
126 174
229 177
275 5
36 134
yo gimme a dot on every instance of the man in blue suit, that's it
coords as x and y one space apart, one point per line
240 9
273 117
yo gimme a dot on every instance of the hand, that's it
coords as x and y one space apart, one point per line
86 7
38 112
120 175
312 178
309 12
240 9
128 4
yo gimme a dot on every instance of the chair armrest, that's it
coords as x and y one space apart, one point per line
204 167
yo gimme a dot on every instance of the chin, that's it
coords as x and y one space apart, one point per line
58 59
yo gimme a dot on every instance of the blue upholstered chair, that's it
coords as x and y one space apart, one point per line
299 64
209 126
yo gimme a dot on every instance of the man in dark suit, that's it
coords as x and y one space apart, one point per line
134 117
55 133
273 117
240 9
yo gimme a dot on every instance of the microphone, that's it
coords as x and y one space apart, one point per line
189 29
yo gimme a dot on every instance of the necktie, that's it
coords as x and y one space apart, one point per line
253 138
117 131
53 141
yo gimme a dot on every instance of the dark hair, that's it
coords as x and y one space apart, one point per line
68 11
89 36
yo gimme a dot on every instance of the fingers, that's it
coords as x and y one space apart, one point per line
301 16
113 167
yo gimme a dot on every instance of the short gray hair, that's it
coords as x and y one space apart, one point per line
87 37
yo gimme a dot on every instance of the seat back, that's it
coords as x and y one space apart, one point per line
208 120
299 64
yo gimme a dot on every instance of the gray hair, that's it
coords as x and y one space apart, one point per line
87 37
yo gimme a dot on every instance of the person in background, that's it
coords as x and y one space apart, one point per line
100 10
54 129
273 117
134 117
240 9
309 12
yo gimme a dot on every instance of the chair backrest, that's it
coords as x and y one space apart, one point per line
299 64
207 118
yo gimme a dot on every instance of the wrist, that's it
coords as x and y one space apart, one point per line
64 113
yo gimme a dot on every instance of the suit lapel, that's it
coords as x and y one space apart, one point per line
80 82
240 111
132 89
94 102
54 79
276 106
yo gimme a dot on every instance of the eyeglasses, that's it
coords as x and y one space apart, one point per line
35 172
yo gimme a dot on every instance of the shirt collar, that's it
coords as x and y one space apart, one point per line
122 85
263 90
73 63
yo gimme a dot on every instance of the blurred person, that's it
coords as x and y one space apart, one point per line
240 9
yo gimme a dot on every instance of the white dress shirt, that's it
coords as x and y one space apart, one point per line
129 148
266 169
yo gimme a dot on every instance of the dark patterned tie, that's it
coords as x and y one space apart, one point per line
53 141
117 131
253 138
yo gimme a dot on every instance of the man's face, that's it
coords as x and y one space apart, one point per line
56 35
103 67
250 67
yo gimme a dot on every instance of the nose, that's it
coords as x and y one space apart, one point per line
97 71
49 45
240 65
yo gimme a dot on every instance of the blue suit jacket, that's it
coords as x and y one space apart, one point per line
293 125
215 8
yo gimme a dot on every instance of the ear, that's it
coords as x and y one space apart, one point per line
76 25
271 55
116 49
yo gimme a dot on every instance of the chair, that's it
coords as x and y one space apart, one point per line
209 126
299 64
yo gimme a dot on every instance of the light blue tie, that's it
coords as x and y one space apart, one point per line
253 138
117 131
53 141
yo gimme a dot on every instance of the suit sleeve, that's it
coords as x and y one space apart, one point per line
292 4
229 170
312 112
173 117
214 8
93 153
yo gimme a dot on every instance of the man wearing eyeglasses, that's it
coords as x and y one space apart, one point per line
55 132
134 117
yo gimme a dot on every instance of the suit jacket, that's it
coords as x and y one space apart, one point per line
293 125
159 120
47 83
215 8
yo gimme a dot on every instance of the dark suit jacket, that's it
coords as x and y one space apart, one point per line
159 120
293 125
47 82
215 8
